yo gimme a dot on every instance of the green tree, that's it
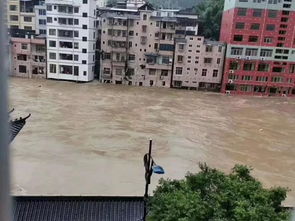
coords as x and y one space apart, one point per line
214 195
210 12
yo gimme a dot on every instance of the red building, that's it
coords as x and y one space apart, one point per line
260 56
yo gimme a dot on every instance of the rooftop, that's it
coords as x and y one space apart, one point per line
79 208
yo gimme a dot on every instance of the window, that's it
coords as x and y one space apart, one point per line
263 67
12 7
76 45
284 19
27 19
49 7
52 44
84 62
28 27
13 18
240 25
144 17
131 57
152 72
22 69
209 48
76 9
42 22
218 60
266 53
106 71
84 1
84 14
277 79
52 55
215 73
257 12
76 57
270 27
42 12
52 68
242 11
233 65
207 60
255 26
24 46
219 48
84 50
236 51
251 52
204 72
84 38
84 26
144 28
253 39
76 21
164 72
180 58
165 60
261 78
52 31
249 66
49 19
118 71
272 13
247 78
238 37
268 40
178 71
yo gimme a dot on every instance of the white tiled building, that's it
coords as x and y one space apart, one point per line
40 16
71 39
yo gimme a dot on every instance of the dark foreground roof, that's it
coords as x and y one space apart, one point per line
15 127
77 208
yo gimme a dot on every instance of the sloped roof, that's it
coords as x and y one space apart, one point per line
77 208
15 127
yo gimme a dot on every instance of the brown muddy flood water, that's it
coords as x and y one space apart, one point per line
89 139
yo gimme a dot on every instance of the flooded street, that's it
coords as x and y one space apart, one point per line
89 139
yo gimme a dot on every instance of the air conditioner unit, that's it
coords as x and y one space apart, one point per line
227 92
230 81
231 71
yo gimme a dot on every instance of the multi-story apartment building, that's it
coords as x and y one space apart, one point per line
71 39
40 16
198 63
28 57
260 57
139 47
21 15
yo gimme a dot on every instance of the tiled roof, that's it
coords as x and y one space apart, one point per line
78 208
15 127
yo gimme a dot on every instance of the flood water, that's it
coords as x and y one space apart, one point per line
89 139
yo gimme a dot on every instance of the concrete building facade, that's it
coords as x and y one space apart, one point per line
198 63
260 57
71 39
40 19
21 14
28 57
140 47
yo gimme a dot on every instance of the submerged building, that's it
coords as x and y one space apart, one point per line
260 57
71 39
147 47
28 57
